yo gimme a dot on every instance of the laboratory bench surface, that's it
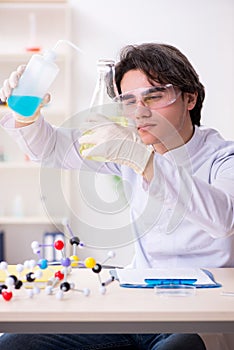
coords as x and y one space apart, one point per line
120 310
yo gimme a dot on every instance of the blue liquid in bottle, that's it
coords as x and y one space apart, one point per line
24 105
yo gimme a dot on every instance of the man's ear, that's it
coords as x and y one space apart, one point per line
192 99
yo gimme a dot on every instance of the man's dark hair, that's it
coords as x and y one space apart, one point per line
163 64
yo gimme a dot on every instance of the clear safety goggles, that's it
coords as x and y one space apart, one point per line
153 97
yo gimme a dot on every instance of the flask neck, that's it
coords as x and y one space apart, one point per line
105 86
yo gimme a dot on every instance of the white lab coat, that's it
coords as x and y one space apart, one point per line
184 217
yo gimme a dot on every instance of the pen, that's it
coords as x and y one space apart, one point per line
231 294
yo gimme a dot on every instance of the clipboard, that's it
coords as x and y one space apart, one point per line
199 278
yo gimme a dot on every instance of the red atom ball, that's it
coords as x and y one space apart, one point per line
59 245
59 275
7 295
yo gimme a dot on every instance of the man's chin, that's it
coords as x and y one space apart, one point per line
148 140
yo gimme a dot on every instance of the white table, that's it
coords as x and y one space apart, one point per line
121 310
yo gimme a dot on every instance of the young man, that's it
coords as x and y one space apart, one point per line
182 176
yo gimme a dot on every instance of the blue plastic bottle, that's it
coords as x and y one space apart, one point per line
34 83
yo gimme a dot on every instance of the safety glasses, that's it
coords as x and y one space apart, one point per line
153 97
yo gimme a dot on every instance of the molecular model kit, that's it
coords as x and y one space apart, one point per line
28 274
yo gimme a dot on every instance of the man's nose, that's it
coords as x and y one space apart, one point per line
142 111
140 102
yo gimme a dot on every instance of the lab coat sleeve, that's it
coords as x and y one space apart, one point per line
52 146
207 204
40 141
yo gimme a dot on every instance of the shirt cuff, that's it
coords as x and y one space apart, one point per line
8 122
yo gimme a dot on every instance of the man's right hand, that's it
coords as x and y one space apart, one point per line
10 83
6 91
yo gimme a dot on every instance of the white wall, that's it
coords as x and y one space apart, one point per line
203 30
